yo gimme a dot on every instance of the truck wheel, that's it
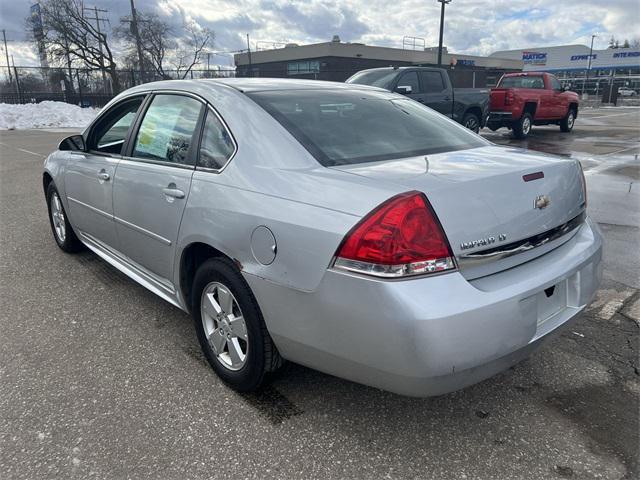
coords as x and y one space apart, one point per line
522 127
566 124
472 122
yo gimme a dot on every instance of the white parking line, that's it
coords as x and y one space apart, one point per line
621 150
613 115
23 150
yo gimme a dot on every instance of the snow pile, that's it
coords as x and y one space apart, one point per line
44 115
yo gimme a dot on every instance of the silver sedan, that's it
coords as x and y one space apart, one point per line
338 226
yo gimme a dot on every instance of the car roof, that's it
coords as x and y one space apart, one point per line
247 85
526 74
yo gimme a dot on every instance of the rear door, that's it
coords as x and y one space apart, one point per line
436 94
89 175
153 180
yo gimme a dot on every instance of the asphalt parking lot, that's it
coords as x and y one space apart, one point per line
99 378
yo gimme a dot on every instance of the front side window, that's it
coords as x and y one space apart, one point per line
166 131
375 78
216 146
410 79
555 83
109 133
341 127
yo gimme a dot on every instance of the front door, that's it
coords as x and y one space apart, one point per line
89 175
152 183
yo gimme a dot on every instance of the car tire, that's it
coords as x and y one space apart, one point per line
472 122
566 124
522 128
62 230
240 361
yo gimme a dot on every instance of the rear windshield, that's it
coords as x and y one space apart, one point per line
522 82
375 78
346 127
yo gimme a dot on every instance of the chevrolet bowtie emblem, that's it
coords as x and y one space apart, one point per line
542 201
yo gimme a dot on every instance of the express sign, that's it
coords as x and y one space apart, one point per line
583 57
534 58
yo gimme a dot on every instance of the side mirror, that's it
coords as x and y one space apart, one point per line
73 143
403 89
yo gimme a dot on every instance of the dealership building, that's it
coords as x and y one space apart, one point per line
571 62
338 60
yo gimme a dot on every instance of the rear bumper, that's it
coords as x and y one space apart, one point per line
500 119
431 335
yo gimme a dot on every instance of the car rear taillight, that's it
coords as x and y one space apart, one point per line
509 97
401 237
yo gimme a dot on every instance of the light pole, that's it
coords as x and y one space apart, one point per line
443 2
589 66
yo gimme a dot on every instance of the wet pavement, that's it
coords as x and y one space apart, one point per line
101 379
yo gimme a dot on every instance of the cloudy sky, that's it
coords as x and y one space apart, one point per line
471 26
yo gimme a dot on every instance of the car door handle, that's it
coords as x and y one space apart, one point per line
173 192
102 175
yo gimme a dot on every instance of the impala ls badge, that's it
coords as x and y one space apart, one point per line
542 201
482 242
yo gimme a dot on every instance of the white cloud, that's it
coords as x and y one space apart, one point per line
472 26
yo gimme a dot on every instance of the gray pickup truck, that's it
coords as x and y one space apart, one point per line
431 86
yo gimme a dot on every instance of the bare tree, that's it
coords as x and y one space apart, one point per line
70 36
156 37
191 48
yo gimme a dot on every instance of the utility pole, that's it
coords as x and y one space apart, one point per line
590 57
136 34
97 19
6 52
443 2
249 53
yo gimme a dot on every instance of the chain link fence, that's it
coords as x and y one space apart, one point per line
90 88
87 88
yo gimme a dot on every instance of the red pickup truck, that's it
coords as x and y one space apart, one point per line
524 99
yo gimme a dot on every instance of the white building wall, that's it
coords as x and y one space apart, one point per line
572 57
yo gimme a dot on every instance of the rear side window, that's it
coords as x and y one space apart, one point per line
340 127
217 146
109 133
410 79
432 81
167 129
522 82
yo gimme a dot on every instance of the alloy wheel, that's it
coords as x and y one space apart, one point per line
57 217
224 326
472 124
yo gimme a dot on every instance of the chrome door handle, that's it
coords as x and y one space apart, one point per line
102 175
173 192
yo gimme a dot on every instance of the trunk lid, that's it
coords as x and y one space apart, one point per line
484 203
